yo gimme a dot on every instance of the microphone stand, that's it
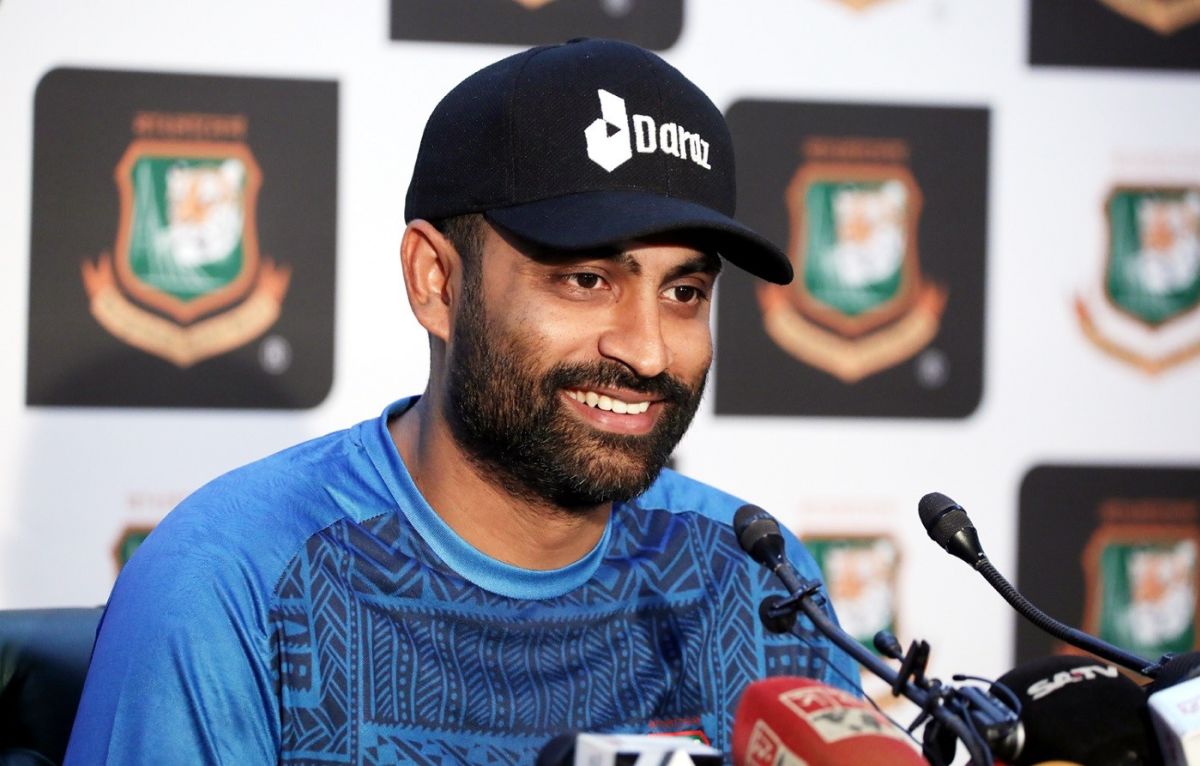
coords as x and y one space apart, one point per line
930 700
759 535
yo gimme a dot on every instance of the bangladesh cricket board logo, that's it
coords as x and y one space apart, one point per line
860 573
1144 311
859 303
1142 587
1163 16
186 281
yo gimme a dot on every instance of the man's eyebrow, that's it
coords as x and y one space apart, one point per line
701 263
628 262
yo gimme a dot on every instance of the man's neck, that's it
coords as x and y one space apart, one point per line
507 527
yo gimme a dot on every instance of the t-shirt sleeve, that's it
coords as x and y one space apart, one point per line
182 671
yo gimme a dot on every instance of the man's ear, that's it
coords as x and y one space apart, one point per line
432 276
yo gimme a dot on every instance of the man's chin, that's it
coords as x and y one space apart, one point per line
614 478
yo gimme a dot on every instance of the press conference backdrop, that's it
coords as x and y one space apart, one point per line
993 208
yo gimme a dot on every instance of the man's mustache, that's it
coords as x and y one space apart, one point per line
599 374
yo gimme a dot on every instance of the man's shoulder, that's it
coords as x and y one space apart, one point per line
709 511
677 493
293 473
280 484
249 522
678 515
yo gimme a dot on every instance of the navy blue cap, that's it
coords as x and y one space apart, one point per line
586 144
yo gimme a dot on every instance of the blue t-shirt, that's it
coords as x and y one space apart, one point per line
312 608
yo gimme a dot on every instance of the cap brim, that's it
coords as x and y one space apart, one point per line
598 218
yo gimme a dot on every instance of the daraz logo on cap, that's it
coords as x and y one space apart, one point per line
610 145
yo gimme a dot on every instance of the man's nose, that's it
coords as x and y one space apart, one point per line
635 336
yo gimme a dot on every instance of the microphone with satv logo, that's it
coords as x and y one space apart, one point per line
1079 710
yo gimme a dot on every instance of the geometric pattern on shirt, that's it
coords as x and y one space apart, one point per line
384 655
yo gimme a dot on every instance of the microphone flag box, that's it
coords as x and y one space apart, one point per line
643 750
1176 714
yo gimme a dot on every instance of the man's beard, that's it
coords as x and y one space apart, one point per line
512 422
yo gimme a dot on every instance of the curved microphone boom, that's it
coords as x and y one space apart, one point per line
949 526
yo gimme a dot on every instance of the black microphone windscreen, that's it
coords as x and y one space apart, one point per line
948 525
943 519
933 505
1082 710
747 515
754 527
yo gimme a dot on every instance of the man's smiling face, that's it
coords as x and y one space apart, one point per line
573 376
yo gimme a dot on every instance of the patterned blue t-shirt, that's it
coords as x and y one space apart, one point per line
312 608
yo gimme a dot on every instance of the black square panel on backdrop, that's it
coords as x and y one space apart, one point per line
1089 33
1062 507
268 344
653 24
946 156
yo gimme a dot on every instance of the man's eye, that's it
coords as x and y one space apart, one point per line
585 280
686 293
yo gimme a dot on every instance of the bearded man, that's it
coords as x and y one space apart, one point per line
504 557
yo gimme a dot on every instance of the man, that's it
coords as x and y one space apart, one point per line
502 558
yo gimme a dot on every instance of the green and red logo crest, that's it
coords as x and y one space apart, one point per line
860 573
1142 587
185 281
187 242
856 248
1153 267
1144 311
858 304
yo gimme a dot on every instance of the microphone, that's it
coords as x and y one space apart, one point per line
949 526
1079 710
759 535
585 749
975 718
1174 702
788 720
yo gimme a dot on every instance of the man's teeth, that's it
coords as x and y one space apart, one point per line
607 403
